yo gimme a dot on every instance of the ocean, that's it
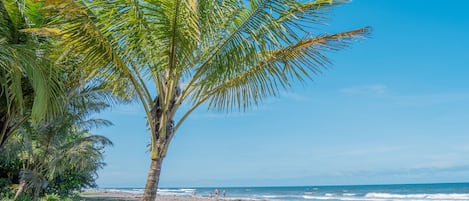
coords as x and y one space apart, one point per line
402 192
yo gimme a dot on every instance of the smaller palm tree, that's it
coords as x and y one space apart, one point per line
28 85
61 154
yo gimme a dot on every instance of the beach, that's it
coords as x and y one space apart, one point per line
109 195
394 192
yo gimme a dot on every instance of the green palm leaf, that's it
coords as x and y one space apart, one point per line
28 83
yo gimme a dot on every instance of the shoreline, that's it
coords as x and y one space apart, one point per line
106 195
395 192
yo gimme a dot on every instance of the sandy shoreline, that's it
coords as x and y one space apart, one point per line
127 196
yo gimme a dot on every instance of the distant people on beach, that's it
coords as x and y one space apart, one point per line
224 193
217 193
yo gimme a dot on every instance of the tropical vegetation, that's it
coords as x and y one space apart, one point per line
46 148
227 54
24 69
224 55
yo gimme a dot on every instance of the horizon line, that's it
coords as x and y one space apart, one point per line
292 186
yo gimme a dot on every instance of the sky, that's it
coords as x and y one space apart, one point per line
394 108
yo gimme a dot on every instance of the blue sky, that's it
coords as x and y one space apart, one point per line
392 109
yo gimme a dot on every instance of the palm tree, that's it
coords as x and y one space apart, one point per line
62 154
229 54
59 155
28 87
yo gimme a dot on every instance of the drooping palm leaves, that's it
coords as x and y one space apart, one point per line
231 54
61 155
28 85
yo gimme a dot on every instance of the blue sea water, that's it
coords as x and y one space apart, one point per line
403 192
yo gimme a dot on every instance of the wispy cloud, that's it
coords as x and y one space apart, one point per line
293 96
374 89
220 115
414 99
128 109
369 150
430 99
429 170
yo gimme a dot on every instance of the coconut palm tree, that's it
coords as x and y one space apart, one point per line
227 54
28 86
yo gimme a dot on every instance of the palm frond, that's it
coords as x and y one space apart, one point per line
263 26
277 70
21 59
33 180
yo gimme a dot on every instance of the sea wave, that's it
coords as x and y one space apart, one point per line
132 191
438 196
390 197
164 191
177 192
347 193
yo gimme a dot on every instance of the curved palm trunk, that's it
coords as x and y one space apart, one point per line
20 190
4 122
3 133
8 126
161 138
152 180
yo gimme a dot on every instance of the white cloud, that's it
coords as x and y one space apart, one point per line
130 109
375 89
215 115
293 96
413 99
431 99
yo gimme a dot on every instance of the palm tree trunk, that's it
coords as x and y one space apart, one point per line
21 188
152 180
4 121
160 145
7 130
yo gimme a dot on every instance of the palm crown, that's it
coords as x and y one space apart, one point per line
228 53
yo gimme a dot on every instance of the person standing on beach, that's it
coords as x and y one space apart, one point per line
224 193
210 195
217 193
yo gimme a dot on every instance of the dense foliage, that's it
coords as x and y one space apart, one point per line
53 157
46 148
29 86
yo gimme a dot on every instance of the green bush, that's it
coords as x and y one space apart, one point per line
4 186
6 191
20 198
51 197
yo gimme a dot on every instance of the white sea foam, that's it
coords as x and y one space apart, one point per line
389 197
132 191
270 196
188 189
439 196
177 192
